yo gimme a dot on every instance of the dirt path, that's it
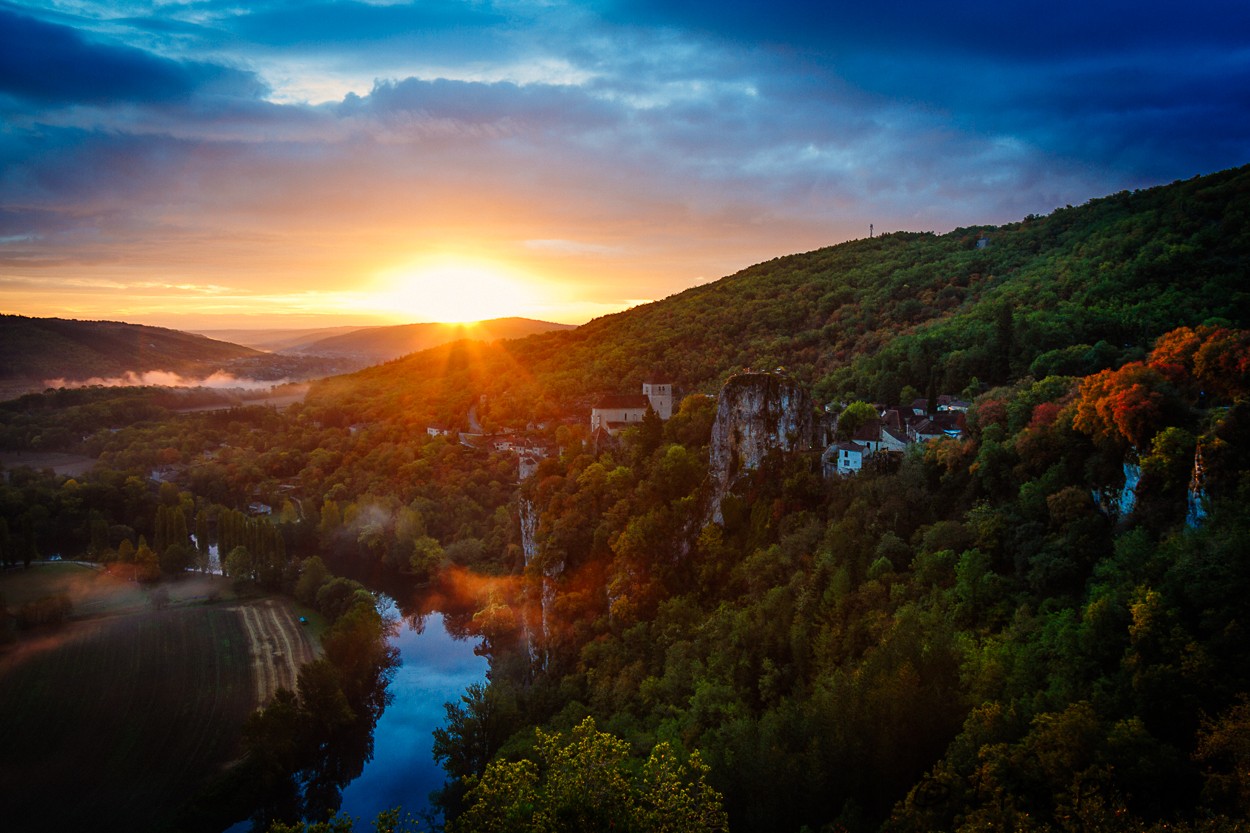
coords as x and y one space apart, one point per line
278 646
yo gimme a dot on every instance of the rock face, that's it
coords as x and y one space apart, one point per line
1199 502
529 530
547 588
756 413
1118 505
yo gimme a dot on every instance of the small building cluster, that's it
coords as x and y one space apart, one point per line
610 415
615 412
891 432
894 429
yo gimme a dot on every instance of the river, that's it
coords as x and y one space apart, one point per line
438 664
436 669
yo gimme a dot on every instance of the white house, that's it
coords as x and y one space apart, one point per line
843 459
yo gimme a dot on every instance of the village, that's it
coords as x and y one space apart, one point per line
844 453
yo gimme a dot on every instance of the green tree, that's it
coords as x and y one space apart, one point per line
313 576
853 417
1004 342
201 536
147 566
239 565
651 432
475 728
585 783
427 558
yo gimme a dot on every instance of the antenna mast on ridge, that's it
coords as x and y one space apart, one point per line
870 229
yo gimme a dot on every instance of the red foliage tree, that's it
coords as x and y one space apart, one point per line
1122 405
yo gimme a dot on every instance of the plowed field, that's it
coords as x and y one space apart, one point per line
111 722
278 646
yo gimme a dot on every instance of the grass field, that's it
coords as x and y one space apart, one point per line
113 720
72 465
91 590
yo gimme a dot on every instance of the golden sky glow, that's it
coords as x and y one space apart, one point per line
453 289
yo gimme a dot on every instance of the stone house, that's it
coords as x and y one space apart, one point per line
615 412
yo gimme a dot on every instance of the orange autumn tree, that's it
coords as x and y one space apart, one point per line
1222 363
1214 360
1125 405
1134 402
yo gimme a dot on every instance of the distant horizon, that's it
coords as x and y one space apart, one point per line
327 322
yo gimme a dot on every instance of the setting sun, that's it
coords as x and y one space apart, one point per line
458 290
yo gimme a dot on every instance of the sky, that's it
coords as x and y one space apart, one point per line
321 162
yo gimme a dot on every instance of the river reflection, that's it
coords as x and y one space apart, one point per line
436 669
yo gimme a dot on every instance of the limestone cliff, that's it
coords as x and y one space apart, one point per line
756 413
541 595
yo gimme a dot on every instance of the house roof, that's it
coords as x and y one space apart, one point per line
927 426
622 400
856 447
894 435
949 420
868 432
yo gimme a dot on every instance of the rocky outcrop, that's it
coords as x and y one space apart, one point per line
756 414
541 596
1117 504
529 529
1199 502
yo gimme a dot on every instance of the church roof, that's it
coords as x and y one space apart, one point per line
622 400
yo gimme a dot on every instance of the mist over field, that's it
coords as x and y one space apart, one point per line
160 378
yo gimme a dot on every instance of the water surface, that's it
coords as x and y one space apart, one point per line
436 669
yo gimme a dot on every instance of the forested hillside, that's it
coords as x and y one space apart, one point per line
385 343
1079 290
1037 625
983 635
54 348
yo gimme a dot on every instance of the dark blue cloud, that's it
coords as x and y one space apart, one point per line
329 22
63 166
48 64
1032 31
1146 91
538 105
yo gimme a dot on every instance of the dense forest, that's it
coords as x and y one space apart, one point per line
1037 625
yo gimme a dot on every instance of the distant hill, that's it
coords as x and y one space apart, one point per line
43 352
56 348
379 344
277 340
1071 292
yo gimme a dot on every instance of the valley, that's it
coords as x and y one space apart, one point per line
912 545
